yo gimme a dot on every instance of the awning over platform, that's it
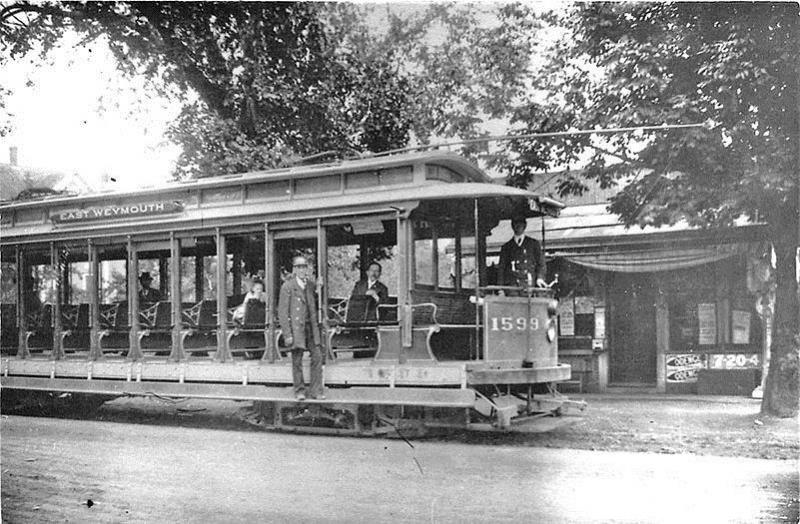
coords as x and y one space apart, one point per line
591 236
654 259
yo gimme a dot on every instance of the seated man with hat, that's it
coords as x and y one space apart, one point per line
146 293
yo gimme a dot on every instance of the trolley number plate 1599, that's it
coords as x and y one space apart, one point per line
513 324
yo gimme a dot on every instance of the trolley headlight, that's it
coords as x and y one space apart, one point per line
552 308
551 330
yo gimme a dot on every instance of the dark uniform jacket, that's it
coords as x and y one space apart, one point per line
361 288
516 262
297 313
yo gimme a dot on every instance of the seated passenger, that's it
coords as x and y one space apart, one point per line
372 288
33 302
146 293
256 293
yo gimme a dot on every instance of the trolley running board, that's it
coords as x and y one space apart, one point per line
406 396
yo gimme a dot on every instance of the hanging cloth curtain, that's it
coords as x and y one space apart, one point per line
655 259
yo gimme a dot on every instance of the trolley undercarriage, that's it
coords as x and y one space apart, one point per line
406 400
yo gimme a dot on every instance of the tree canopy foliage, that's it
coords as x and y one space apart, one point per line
732 66
267 83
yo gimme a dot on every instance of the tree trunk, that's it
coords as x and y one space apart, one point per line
781 393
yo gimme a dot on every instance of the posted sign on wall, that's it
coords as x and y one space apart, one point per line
741 327
566 317
684 368
734 361
707 320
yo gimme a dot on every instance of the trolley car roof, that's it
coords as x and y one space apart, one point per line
446 159
230 203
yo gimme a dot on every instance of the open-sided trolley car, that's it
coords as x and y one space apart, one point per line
446 347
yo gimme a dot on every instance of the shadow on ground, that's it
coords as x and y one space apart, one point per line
725 426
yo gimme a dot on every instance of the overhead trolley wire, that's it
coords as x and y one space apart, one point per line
498 138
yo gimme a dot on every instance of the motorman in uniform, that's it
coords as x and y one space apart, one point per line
298 320
521 259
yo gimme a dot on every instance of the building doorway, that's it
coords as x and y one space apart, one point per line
633 329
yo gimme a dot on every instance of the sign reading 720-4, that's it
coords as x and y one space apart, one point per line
96 213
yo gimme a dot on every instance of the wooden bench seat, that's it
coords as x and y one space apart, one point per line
454 320
114 329
155 322
250 335
75 332
39 330
199 327
354 332
9 332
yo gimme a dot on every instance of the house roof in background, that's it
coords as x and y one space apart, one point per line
15 179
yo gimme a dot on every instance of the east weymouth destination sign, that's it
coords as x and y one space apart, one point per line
143 209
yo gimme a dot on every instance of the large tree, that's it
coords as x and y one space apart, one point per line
268 83
253 76
733 67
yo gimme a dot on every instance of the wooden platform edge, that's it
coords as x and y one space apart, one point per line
409 396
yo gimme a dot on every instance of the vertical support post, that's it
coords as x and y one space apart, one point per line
66 280
162 274
237 273
364 258
94 302
58 351
411 273
662 337
543 239
723 306
271 352
435 257
405 315
222 299
480 248
134 352
479 275
175 295
457 269
322 288
22 305
198 278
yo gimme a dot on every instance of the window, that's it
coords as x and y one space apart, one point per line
442 174
268 190
362 180
397 175
79 283
221 195
317 184
423 253
113 281
8 283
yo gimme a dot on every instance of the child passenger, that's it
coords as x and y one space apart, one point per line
256 293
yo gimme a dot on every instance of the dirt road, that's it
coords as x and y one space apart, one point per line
153 473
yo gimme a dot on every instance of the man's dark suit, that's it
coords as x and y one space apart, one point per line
297 315
148 294
361 288
517 262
